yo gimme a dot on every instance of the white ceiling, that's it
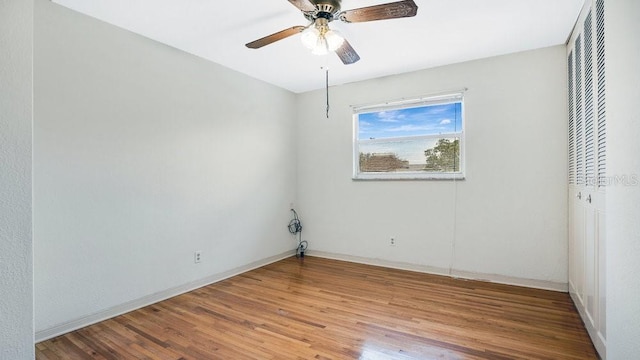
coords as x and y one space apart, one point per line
443 32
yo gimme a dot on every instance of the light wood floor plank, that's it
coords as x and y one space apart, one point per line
326 309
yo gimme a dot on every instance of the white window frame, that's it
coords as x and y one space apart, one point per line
441 99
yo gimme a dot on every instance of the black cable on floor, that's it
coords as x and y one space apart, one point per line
295 228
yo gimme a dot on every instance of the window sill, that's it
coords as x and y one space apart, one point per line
383 176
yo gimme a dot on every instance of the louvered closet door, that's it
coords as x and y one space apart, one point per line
601 162
587 171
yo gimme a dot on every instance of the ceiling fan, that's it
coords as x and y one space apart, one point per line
318 37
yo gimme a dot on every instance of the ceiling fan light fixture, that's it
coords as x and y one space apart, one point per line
310 37
321 47
334 39
321 40
330 42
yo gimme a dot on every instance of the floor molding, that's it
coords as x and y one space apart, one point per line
500 279
322 308
72 325
84 321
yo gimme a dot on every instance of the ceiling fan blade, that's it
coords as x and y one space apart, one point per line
269 39
303 5
400 9
347 54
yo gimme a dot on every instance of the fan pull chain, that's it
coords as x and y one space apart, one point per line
327 89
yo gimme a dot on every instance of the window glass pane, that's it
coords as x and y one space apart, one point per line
410 139
441 155
444 156
422 120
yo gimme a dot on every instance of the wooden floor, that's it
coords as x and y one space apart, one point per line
326 309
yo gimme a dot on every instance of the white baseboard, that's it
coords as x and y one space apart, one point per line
151 299
84 321
501 279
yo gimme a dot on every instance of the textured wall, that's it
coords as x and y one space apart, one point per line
509 217
143 155
622 26
16 275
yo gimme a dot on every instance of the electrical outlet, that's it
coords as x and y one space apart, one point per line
392 241
197 257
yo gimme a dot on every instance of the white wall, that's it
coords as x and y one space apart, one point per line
623 198
143 155
16 110
507 219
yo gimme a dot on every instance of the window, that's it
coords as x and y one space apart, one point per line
410 139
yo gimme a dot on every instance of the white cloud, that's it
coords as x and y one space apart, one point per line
410 128
445 122
390 116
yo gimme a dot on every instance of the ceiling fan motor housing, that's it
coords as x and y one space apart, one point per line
325 9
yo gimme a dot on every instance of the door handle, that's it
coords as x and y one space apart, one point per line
589 199
579 196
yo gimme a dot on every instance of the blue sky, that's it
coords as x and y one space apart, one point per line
425 120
